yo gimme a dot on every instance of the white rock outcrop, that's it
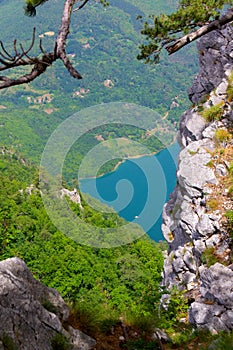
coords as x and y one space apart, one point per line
190 224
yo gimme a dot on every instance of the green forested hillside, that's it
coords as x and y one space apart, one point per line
108 290
103 279
103 44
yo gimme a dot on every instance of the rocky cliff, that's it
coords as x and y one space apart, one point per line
33 316
195 224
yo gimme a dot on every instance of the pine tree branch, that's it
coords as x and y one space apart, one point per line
38 69
60 51
186 39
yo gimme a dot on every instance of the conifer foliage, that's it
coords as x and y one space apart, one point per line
191 20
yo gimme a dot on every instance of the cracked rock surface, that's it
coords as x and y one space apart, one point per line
24 311
215 54
190 225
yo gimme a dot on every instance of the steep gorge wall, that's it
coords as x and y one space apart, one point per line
194 221
31 314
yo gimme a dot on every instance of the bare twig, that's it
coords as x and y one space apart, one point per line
32 43
41 47
8 56
73 72
81 6
36 71
21 57
10 61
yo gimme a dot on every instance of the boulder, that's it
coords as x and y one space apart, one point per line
216 285
191 127
31 314
215 308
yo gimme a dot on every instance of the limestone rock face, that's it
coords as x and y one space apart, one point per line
215 306
215 54
73 195
194 222
32 314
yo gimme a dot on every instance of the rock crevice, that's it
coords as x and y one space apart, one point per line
194 222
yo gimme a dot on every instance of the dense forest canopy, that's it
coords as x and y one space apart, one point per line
191 18
30 112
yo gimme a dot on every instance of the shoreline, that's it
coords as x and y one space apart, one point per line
121 162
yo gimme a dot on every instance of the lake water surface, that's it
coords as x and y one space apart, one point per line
138 188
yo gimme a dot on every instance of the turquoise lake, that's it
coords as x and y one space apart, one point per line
138 188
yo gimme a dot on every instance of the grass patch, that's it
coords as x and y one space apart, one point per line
8 343
86 317
140 344
230 192
192 153
231 169
210 164
93 319
108 324
222 135
60 342
222 152
208 257
213 113
230 88
142 323
229 216
212 204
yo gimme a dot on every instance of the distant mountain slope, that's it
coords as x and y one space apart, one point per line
103 45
